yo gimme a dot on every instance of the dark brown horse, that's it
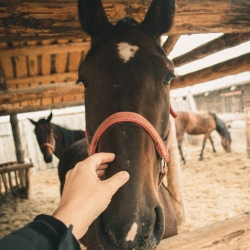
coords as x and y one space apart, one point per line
54 139
201 123
126 76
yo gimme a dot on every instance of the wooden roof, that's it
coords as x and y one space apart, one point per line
41 45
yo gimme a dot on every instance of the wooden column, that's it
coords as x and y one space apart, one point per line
191 101
192 139
174 177
17 139
247 120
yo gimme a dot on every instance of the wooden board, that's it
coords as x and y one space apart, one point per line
230 234
29 19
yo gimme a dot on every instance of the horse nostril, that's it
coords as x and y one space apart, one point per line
48 159
159 223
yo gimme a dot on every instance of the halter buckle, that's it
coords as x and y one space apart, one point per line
162 166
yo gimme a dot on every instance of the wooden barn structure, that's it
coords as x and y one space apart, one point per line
41 45
232 97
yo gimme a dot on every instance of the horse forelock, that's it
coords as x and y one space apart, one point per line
121 28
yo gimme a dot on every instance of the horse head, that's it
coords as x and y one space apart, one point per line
126 73
226 141
222 129
45 137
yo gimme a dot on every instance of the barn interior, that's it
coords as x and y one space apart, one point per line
42 44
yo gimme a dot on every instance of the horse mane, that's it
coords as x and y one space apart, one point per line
69 136
221 127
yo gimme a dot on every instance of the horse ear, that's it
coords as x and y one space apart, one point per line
50 117
93 17
33 122
160 16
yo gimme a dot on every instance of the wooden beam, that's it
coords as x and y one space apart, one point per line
22 82
37 20
2 79
7 169
230 67
170 43
233 233
9 109
247 121
231 93
223 42
39 92
44 49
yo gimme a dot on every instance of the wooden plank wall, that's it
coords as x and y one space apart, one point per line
38 63
29 142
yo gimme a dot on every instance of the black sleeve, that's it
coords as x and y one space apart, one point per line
44 233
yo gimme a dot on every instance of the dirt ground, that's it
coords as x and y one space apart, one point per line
213 189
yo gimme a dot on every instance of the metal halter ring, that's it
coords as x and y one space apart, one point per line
163 165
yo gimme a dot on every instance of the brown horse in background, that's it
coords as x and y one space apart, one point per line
201 123
126 75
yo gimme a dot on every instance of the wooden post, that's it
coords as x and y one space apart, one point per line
191 101
174 177
17 139
247 120
192 139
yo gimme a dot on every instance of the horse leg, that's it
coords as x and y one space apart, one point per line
180 150
203 146
210 138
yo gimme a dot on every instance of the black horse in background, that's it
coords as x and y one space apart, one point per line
54 139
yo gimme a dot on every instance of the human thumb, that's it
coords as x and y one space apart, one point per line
116 181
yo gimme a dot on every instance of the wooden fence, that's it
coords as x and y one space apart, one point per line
15 178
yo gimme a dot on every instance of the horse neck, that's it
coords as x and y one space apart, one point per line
221 127
65 137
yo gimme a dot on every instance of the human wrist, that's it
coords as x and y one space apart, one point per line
78 220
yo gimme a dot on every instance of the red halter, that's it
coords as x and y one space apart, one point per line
161 146
47 144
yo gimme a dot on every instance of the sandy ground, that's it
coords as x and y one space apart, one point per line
213 189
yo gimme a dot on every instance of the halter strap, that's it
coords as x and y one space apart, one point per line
135 118
172 112
48 145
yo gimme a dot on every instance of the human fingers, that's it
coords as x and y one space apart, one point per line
99 160
116 181
100 172
96 162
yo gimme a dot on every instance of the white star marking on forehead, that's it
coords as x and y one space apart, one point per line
126 51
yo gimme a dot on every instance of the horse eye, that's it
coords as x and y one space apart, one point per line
168 78
83 81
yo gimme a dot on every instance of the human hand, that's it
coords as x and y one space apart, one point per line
84 196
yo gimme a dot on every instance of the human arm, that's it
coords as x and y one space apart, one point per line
83 199
84 196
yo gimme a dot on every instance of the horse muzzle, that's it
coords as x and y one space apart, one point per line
48 158
136 231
